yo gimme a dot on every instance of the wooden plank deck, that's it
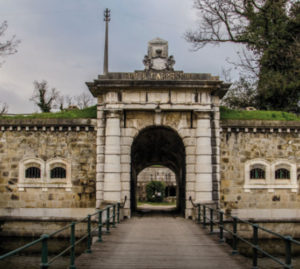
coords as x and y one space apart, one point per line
159 241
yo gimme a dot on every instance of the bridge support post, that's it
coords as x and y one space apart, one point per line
234 236
100 226
107 219
114 216
254 249
44 259
221 227
72 250
288 252
89 238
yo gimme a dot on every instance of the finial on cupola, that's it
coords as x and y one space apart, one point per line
107 20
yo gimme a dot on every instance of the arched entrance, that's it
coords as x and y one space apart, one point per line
158 145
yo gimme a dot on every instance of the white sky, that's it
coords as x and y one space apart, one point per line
62 41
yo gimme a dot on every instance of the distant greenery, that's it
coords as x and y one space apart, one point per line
230 114
155 191
86 113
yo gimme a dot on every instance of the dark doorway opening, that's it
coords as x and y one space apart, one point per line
158 145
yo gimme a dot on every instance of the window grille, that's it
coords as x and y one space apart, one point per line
257 173
282 174
58 172
33 172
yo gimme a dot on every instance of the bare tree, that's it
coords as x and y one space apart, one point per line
43 97
9 46
3 108
84 100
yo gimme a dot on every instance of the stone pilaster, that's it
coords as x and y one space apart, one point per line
112 161
100 155
203 167
216 153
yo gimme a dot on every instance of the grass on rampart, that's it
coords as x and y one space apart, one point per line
226 114
86 113
230 114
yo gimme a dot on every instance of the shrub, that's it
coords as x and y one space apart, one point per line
155 191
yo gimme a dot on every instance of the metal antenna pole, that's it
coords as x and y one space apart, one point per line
107 20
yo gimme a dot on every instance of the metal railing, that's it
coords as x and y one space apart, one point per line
112 216
211 217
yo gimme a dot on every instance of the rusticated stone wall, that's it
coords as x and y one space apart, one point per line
70 140
271 142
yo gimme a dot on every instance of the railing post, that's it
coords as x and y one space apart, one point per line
100 226
72 250
118 213
234 243
288 252
199 214
89 237
44 259
204 216
255 243
107 219
221 226
211 220
114 216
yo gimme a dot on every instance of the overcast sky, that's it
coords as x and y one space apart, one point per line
62 41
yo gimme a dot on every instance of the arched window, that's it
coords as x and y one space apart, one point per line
257 173
58 172
33 172
282 173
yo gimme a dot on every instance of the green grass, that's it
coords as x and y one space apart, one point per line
86 113
230 114
226 114
156 203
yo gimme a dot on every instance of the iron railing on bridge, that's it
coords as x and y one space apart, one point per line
112 216
209 216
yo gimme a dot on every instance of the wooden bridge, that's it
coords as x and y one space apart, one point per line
159 241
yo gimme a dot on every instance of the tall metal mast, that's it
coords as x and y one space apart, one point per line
107 20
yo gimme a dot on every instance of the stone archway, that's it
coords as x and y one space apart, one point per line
163 146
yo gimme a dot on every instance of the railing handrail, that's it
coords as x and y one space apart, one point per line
235 220
44 238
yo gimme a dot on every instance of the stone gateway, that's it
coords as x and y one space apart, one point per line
158 116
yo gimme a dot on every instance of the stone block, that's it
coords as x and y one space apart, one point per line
125 158
112 150
125 150
199 169
100 158
190 186
99 167
190 150
190 168
203 160
125 186
190 177
190 159
125 168
203 149
111 197
129 132
203 196
126 140
189 141
125 177
204 177
112 167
